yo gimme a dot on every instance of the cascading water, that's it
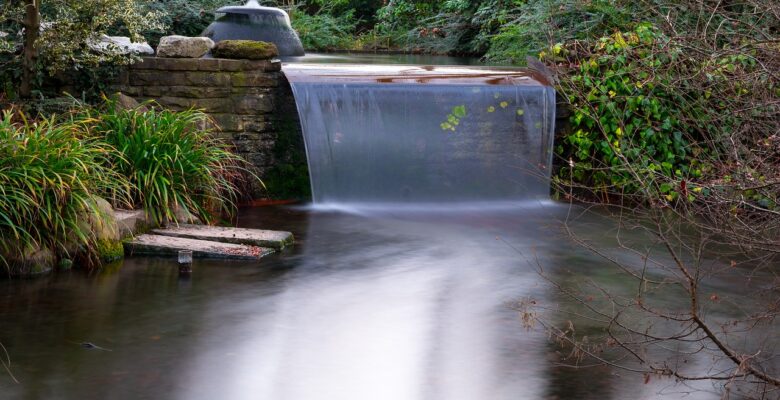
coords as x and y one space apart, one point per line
402 134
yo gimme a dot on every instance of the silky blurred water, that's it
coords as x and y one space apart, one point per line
416 135
395 305
403 284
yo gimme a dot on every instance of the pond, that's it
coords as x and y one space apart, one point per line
381 305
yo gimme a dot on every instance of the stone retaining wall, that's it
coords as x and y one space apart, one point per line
249 100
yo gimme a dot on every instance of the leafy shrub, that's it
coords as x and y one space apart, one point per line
625 121
538 24
172 161
653 118
50 174
323 31
181 17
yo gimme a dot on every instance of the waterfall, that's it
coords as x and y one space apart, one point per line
424 135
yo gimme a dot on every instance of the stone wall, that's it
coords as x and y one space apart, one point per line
249 100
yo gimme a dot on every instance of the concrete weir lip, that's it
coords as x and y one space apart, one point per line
254 237
160 245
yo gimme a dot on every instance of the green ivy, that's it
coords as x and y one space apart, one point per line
625 124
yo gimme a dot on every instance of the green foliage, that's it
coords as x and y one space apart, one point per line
453 119
172 161
69 33
181 17
538 24
626 125
431 26
50 174
69 26
323 31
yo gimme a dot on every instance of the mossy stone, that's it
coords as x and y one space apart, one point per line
109 250
65 264
245 50
30 262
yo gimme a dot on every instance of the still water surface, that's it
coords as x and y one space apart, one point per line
391 305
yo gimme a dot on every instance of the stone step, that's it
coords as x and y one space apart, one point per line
159 245
255 237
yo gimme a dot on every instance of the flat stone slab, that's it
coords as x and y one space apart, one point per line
169 246
255 237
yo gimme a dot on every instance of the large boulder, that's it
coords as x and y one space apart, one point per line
30 262
184 47
104 226
245 50
121 45
101 224
125 102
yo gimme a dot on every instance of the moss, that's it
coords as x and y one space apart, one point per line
238 79
109 250
245 50
65 264
288 178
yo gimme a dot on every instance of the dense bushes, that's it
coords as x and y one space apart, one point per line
671 120
181 17
536 25
50 176
53 175
501 30
172 161
627 126
324 31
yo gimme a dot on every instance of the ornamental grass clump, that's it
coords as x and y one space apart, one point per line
173 162
51 175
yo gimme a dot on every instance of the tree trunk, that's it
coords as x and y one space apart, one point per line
32 29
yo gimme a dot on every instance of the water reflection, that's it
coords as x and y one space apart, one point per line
394 306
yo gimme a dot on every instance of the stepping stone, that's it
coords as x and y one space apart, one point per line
254 237
169 246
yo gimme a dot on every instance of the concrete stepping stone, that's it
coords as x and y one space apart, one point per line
159 245
255 237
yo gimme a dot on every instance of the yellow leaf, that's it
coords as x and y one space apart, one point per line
620 41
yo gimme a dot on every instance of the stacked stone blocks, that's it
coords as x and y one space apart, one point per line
242 96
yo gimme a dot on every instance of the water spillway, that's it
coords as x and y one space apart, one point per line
405 134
